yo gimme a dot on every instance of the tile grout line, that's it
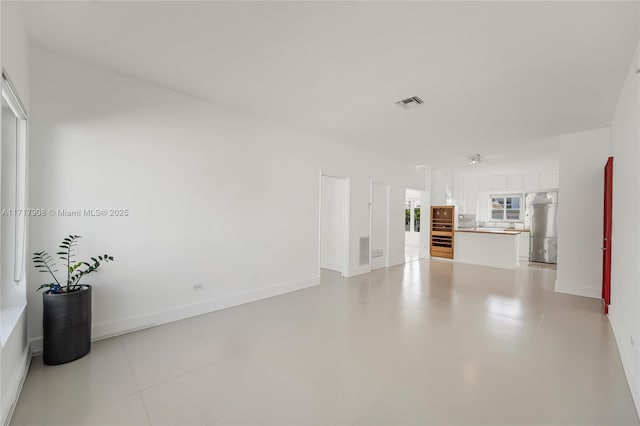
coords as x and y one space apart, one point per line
200 367
135 379
535 337
266 391
383 397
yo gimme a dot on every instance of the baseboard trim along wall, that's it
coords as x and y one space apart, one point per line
17 382
396 262
332 267
578 290
625 357
116 328
365 269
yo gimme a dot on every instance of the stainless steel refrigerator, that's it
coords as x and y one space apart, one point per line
543 242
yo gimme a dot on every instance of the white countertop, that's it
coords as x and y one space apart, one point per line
491 231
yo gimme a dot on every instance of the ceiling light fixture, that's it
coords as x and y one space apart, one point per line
474 160
411 102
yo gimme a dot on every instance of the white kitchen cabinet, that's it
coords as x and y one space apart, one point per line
439 175
531 180
485 183
494 249
549 180
470 195
523 242
439 195
514 182
499 183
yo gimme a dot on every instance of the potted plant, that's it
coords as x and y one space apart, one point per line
66 319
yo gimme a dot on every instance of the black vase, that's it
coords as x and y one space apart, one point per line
66 325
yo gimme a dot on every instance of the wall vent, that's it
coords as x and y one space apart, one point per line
364 251
411 102
377 253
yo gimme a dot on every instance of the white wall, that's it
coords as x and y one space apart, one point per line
14 354
334 224
215 196
425 235
624 312
379 225
580 206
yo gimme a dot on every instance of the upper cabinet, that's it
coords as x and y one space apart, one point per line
485 183
514 182
499 183
476 190
549 180
531 180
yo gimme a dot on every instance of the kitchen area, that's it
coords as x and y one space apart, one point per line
506 229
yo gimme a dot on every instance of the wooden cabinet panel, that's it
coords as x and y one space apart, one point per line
442 223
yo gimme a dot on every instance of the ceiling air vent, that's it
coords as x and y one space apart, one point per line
411 102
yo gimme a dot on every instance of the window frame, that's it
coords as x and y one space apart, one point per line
10 95
504 208
13 303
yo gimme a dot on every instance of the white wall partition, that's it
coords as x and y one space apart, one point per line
379 225
580 212
624 311
215 197
333 224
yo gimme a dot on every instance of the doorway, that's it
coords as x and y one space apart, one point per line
380 194
412 216
334 220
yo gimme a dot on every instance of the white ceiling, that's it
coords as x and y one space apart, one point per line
493 75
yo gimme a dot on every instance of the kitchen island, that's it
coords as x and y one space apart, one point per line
488 247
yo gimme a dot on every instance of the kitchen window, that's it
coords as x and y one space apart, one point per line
506 207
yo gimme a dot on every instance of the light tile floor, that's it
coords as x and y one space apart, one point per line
429 342
411 253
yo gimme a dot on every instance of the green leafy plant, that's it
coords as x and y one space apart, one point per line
45 263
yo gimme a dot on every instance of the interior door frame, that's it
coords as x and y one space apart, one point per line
347 224
606 235
387 260
424 251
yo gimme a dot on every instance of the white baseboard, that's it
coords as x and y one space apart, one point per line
332 267
442 259
15 386
115 328
396 262
625 357
576 290
365 269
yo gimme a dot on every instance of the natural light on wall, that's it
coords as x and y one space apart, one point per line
12 207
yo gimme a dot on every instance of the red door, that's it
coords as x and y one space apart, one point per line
606 235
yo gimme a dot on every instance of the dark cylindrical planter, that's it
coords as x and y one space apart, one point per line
66 324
